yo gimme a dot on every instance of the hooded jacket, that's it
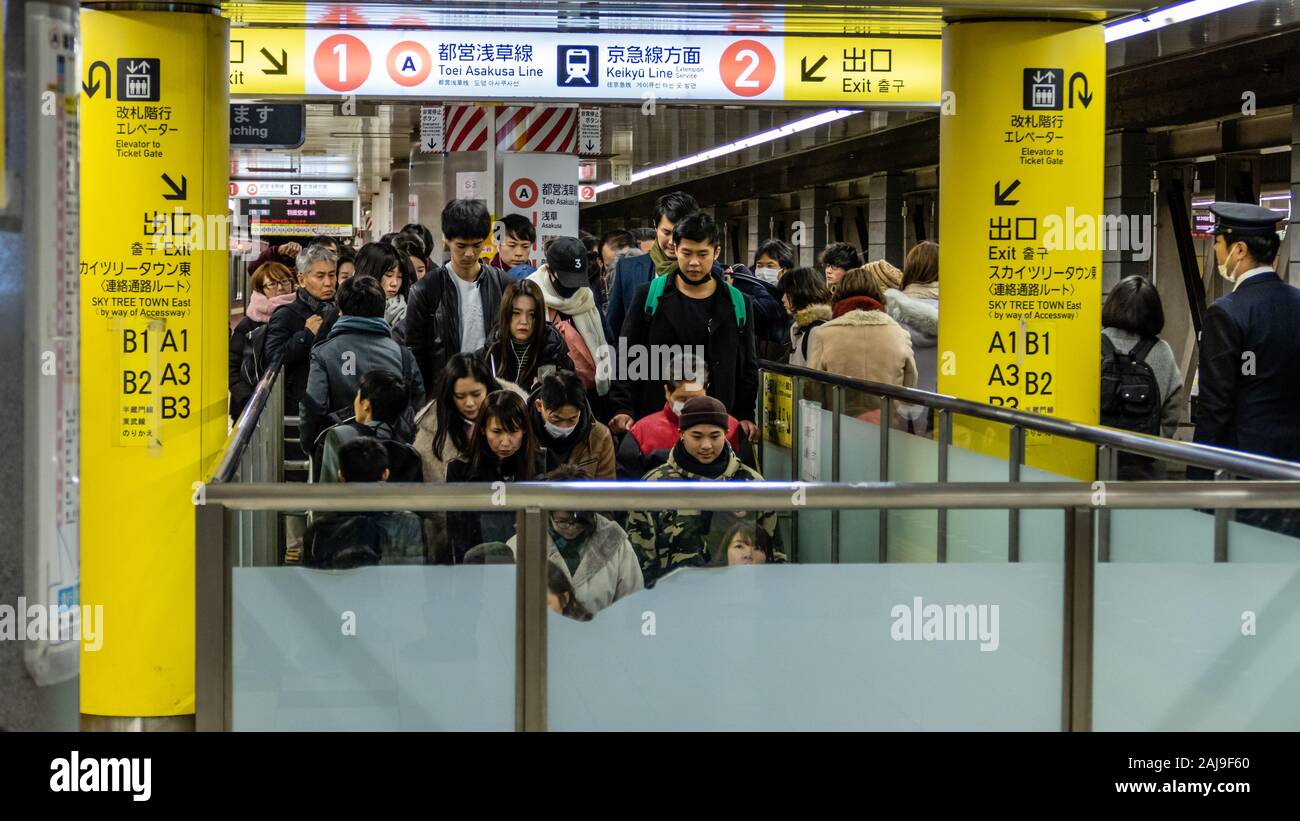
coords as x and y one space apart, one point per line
666 539
865 345
354 346
590 446
806 320
608 569
432 324
916 308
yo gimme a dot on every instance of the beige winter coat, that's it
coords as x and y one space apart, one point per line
863 345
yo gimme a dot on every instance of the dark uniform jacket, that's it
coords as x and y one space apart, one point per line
1249 386
632 273
432 321
287 336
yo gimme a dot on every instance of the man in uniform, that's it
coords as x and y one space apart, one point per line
1249 385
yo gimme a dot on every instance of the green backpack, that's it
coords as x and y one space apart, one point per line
660 282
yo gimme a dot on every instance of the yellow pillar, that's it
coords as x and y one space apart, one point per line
154 321
1021 156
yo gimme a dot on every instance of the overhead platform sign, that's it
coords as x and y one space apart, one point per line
730 68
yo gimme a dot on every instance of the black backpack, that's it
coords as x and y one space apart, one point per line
253 366
1130 394
807 333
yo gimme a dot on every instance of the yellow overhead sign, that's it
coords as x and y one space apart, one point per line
266 61
862 70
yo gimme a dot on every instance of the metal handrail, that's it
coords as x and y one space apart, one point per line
1204 456
776 496
242 433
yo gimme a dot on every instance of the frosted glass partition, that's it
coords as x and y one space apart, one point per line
786 647
1042 532
977 535
375 648
859 462
1161 536
913 534
1197 646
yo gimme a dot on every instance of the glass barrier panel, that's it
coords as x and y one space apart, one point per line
1184 643
860 462
978 453
782 646
913 458
398 645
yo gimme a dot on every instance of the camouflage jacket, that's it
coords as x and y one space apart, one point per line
667 539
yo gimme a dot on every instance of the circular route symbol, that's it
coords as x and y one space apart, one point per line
523 193
747 68
342 62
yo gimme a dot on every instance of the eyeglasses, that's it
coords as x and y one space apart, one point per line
565 521
279 284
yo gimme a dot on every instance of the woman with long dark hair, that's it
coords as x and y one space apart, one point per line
382 261
443 427
502 448
524 342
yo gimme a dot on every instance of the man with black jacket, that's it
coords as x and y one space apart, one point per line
454 308
631 274
694 306
294 328
1249 385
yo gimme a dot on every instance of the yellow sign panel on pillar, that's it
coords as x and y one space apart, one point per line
1021 150
884 70
154 224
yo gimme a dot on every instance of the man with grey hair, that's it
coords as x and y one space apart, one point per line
295 328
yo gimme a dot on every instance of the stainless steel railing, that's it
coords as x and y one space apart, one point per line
1225 464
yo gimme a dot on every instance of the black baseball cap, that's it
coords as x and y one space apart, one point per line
567 259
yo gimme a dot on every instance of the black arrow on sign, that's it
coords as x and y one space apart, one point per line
1084 96
92 89
591 146
177 193
810 74
433 144
1000 196
281 66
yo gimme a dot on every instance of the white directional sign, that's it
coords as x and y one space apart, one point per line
589 132
431 129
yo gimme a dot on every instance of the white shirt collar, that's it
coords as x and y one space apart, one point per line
1260 269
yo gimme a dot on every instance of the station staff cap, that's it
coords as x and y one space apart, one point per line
1242 219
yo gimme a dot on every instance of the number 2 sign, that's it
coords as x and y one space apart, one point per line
747 68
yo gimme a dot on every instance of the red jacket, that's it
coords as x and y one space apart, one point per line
647 444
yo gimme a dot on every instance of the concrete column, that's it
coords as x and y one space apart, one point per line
885 219
1128 196
400 186
426 184
1166 271
382 210
759 223
812 213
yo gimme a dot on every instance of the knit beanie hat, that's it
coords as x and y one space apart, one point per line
702 410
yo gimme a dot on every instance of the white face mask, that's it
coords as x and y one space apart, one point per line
558 432
1226 272
677 407
768 275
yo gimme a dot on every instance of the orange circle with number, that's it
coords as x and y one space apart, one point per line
342 62
747 68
